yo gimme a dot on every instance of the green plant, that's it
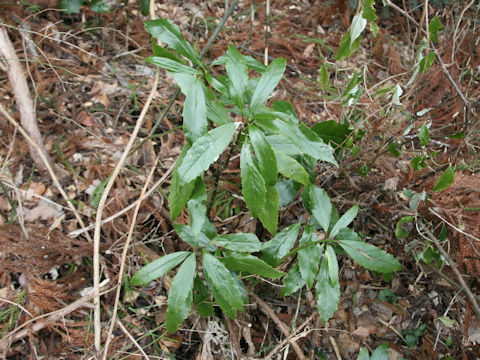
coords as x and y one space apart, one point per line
270 141
380 353
412 336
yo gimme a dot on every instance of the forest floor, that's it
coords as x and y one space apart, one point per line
89 80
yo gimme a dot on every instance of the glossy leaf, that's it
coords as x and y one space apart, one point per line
253 184
330 131
251 264
222 285
172 65
160 51
180 295
292 282
217 113
265 156
445 180
241 242
197 215
327 296
423 135
392 149
290 168
237 72
165 31
269 214
345 48
286 191
307 141
309 257
283 144
320 204
180 191
158 268
332 264
370 257
201 298
275 249
268 82
344 220
286 108
205 151
195 112
186 234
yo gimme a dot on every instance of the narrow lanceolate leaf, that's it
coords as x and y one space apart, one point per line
370 257
241 242
269 214
165 31
345 220
307 141
158 267
327 296
332 264
309 257
195 112
346 48
180 191
172 65
321 206
251 264
423 135
160 51
205 151
324 77
275 249
237 72
267 83
180 295
291 168
253 184
197 215
186 234
201 298
292 282
445 180
265 156
222 285
217 113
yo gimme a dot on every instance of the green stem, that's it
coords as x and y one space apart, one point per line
297 249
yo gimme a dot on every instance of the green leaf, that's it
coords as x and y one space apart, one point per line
423 135
364 170
265 156
327 296
201 298
172 65
426 62
99 6
292 282
307 141
345 49
320 206
217 113
330 131
445 180
269 214
433 28
186 234
222 285
351 84
324 77
396 93
332 264
71 6
180 191
309 257
241 242
363 354
370 257
392 149
381 352
158 268
275 249
160 51
286 191
345 220
145 6
253 185
165 31
251 264
197 215
267 83
286 108
358 25
399 231
206 151
290 168
195 112
369 10
283 144
180 295
237 72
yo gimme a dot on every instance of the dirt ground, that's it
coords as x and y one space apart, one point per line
89 80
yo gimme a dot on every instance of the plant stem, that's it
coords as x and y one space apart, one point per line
297 249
